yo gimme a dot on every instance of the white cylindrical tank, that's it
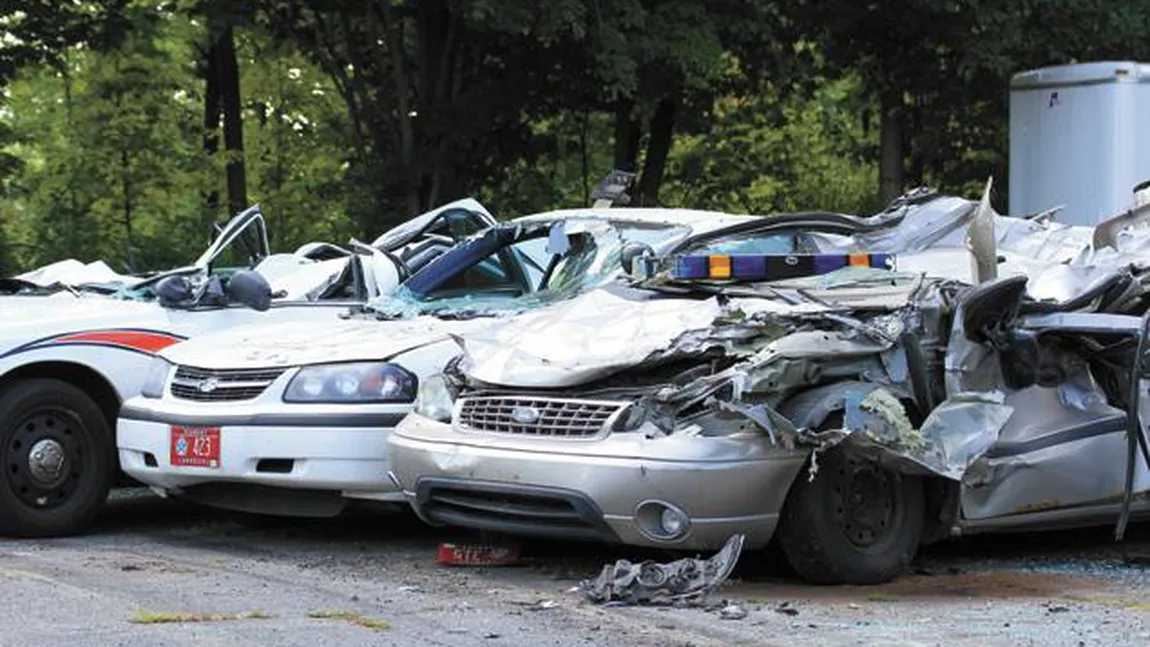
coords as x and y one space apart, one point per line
1080 138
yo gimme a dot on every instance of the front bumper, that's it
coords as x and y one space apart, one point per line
298 451
591 489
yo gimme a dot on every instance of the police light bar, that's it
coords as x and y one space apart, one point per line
770 267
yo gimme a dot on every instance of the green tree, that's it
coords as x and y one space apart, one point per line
295 139
109 158
779 150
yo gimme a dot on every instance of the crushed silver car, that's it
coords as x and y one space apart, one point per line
852 405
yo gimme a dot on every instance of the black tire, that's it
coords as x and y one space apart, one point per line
855 523
77 459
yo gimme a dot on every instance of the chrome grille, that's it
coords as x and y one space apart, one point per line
225 385
552 417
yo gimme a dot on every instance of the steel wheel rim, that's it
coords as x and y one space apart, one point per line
865 504
45 457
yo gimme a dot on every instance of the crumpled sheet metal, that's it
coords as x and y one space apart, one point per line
72 273
954 434
875 423
684 582
294 278
552 347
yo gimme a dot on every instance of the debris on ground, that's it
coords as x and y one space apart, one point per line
456 554
786 609
684 582
732 611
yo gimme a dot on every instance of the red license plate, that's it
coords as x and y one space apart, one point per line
477 554
195 447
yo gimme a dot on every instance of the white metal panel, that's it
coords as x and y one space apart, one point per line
1076 140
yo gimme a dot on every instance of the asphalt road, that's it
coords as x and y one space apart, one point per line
162 573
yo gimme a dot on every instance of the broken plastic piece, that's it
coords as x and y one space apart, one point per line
681 583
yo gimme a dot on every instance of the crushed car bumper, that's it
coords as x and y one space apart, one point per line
298 453
680 493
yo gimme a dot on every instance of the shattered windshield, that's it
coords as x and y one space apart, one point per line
513 268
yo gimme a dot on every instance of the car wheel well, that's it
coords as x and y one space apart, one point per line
82 377
820 406
940 498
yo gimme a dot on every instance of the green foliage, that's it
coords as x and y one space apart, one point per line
107 154
40 31
779 151
295 126
358 113
567 155
108 151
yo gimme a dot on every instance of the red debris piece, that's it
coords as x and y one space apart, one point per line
452 554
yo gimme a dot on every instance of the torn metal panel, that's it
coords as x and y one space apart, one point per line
980 240
955 433
875 422
925 225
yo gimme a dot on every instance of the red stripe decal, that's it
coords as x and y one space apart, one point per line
148 342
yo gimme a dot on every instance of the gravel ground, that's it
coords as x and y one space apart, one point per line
374 582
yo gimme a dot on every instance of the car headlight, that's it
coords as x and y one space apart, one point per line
357 382
157 378
436 400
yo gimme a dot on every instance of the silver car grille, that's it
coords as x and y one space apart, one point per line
225 385
528 416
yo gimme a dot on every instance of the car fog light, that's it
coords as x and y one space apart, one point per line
661 521
673 522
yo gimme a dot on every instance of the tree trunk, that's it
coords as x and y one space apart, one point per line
890 180
403 93
919 151
229 84
211 124
658 147
128 193
584 163
626 136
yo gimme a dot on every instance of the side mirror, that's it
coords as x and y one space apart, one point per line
174 290
630 257
251 289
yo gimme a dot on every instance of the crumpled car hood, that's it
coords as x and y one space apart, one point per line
300 343
552 347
